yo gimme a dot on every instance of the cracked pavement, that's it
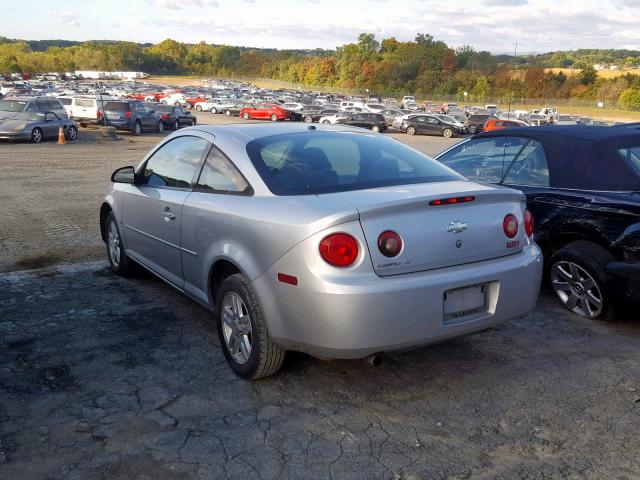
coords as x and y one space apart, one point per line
109 378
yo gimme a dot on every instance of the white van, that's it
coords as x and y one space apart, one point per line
83 108
346 104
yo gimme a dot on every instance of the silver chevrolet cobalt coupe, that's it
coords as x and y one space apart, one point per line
322 239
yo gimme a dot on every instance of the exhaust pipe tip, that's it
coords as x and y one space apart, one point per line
375 360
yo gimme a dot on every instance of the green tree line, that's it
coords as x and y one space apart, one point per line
424 66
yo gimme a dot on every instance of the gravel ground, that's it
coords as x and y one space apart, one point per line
110 378
51 194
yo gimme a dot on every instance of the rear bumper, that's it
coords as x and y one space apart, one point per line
625 280
352 320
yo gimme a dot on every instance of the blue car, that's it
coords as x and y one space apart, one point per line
583 189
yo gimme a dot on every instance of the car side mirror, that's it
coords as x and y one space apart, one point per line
124 175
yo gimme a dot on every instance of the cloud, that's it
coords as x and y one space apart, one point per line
180 4
68 18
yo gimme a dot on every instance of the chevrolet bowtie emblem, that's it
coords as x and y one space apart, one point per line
457 227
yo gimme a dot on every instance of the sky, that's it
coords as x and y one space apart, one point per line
493 25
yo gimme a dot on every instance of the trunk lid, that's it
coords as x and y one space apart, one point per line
436 236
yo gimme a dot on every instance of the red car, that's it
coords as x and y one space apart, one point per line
269 111
193 100
499 124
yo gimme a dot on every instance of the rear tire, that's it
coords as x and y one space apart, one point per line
227 112
160 126
198 108
411 130
213 110
274 117
72 133
246 344
307 119
246 116
118 260
326 122
137 129
176 125
447 133
578 277
375 128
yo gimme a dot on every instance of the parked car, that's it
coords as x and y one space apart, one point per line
390 115
34 126
371 121
430 125
271 112
314 115
234 110
175 116
333 118
84 108
132 115
583 189
380 247
475 123
10 106
565 120
499 124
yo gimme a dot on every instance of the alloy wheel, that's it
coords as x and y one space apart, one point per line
577 289
236 327
113 244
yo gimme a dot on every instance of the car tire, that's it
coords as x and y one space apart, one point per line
72 133
160 127
213 110
227 113
246 116
307 119
326 122
411 130
375 128
193 122
137 129
36 135
578 276
273 117
246 344
447 133
164 102
198 108
118 260
176 125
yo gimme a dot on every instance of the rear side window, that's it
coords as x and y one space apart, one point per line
219 175
484 159
530 167
632 157
83 102
175 163
325 162
65 101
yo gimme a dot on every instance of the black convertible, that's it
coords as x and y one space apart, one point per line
583 188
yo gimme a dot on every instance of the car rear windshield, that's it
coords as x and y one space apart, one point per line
324 162
116 106
163 108
12 105
632 157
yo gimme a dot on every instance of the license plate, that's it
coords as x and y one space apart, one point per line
464 302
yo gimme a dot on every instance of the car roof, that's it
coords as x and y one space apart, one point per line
251 131
582 157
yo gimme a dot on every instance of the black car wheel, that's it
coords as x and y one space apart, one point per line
72 133
375 128
242 329
198 108
36 135
193 122
274 117
411 130
578 277
137 128
246 116
227 112
307 119
160 126
176 125
213 110
115 250
447 133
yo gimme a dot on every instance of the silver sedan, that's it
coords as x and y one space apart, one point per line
36 126
321 239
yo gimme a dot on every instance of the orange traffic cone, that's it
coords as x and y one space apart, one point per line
61 139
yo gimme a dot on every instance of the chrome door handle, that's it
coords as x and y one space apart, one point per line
169 216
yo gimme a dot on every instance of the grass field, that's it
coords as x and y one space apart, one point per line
606 114
569 72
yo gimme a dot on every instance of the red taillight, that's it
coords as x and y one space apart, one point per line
165 117
452 200
528 223
389 243
128 115
100 114
510 226
339 249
